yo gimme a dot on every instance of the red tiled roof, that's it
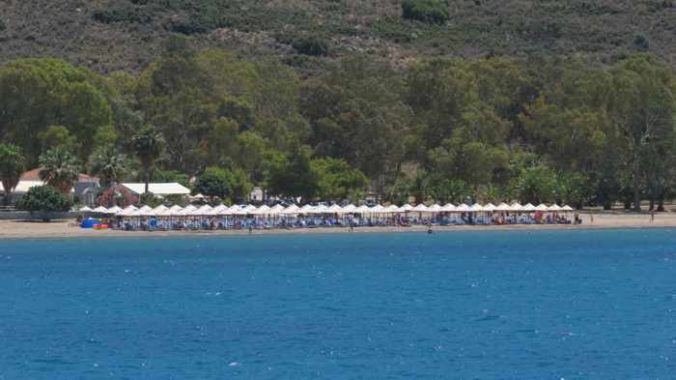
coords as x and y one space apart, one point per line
34 175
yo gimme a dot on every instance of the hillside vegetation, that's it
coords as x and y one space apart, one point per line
109 35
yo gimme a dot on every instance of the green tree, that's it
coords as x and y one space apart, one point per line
57 135
148 144
109 164
59 168
293 176
214 182
536 184
337 180
12 164
44 199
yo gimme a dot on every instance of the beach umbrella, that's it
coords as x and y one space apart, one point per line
541 207
377 209
307 209
349 209
435 208
262 210
567 208
420 208
516 206
102 210
146 208
502 207
554 207
392 209
528 208
85 209
291 210
489 207
463 208
476 208
334 209
448 207
190 208
406 208
363 209
114 210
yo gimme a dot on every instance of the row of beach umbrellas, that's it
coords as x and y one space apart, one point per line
223 210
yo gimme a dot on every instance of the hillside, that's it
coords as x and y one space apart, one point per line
109 35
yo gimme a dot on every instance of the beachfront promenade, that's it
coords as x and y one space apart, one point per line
249 217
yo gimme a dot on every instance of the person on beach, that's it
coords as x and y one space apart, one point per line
652 216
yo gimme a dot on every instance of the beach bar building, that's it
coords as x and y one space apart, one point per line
160 189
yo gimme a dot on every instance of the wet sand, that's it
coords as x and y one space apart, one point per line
68 229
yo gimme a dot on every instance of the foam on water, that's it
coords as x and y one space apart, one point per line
466 305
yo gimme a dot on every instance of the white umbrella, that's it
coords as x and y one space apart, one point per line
516 206
85 209
554 207
541 207
489 207
434 208
377 209
463 208
334 208
114 210
392 209
102 210
502 207
420 208
307 209
146 208
363 209
405 208
448 207
262 210
476 208
349 209
567 208
528 208
291 210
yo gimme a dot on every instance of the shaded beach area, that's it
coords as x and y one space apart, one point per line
69 229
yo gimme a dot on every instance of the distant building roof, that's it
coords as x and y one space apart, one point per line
23 186
158 188
34 175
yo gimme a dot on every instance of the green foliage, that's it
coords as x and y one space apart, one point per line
430 11
166 176
223 183
337 180
44 199
12 165
109 165
3 26
59 168
57 136
292 176
148 144
312 44
150 199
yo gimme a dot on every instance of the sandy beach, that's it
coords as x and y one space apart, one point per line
68 229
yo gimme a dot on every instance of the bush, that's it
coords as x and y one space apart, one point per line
3 26
429 11
124 13
44 199
311 45
116 196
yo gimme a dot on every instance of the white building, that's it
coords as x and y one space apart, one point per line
159 189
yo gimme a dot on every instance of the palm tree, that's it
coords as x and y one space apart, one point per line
59 168
12 164
148 145
108 164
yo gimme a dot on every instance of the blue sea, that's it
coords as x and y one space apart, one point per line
458 305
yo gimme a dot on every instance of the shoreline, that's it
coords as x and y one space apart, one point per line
24 230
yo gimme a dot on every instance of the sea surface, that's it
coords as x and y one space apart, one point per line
459 305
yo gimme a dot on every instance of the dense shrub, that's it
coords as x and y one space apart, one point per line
116 196
3 26
123 13
429 11
44 199
311 45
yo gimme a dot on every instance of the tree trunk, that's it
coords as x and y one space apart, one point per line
652 203
146 178
660 202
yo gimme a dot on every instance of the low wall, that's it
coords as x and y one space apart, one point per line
25 215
